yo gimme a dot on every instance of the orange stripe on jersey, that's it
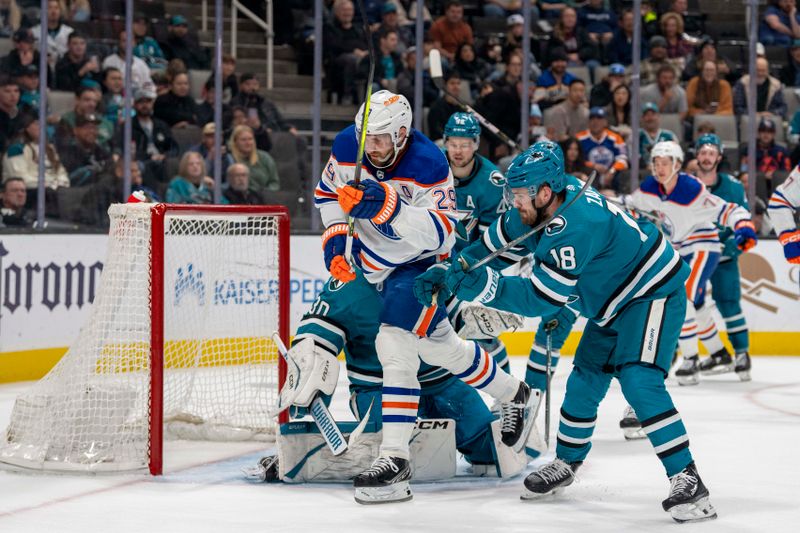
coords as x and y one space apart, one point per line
368 263
779 200
447 224
697 267
708 330
702 236
486 365
423 185
426 321
326 194
400 405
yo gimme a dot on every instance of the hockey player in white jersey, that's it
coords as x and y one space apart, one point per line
404 222
690 216
783 203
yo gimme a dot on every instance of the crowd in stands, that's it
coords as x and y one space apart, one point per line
173 149
580 60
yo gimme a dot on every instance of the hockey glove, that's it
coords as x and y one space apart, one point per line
431 282
480 285
333 246
791 246
745 235
376 201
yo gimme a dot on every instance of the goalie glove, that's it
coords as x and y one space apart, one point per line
311 370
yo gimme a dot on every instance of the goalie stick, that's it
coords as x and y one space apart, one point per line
327 426
362 139
435 64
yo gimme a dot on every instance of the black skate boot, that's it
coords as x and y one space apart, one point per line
717 363
688 497
266 471
549 479
385 481
630 425
742 367
518 416
688 372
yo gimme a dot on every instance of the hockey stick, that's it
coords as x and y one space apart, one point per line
500 251
435 63
362 139
652 216
548 328
327 426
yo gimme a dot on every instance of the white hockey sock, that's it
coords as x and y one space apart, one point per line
688 339
707 330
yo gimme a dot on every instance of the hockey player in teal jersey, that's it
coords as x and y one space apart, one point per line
625 278
725 281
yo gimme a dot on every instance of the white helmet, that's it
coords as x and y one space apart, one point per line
388 112
667 149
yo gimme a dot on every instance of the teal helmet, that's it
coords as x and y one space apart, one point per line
542 163
462 125
708 138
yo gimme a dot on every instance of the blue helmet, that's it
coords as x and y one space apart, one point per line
708 138
462 125
541 163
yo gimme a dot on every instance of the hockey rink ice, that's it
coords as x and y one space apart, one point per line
744 437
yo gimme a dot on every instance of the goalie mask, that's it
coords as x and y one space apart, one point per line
388 114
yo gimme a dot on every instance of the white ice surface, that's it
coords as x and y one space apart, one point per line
744 437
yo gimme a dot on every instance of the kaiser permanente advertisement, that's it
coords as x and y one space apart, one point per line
48 284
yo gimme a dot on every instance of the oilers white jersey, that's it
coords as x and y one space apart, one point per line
690 214
425 226
783 203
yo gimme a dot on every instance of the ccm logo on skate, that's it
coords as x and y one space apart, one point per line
432 424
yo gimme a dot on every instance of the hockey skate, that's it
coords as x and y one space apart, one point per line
717 363
266 471
386 481
688 497
742 366
630 425
518 416
688 372
549 479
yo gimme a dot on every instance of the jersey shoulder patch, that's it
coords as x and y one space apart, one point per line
556 226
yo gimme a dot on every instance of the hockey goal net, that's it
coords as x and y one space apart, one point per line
179 340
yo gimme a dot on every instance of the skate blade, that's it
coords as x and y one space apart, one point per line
394 493
531 410
698 511
744 375
634 433
687 381
722 369
528 495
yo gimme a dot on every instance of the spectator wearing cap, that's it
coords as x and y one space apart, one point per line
620 49
790 72
471 68
22 159
263 171
28 80
75 65
605 150
602 92
10 17
598 21
152 138
651 133
769 93
81 154
572 115
707 51
12 204
181 45
450 30
10 119
237 187
666 93
144 46
22 55
112 103
678 47
709 95
574 40
444 106
553 85
57 32
390 21
87 102
177 108
345 44
657 58
780 23
771 157
140 73
388 63
207 147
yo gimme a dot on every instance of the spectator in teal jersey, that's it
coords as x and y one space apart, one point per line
145 47
192 185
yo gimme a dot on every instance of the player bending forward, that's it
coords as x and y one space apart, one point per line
404 222
783 203
692 217
626 279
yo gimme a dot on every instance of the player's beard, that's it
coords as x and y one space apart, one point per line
706 169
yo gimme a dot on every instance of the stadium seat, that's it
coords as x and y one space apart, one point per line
724 125
673 123
187 136
792 97
580 72
780 132
5 47
70 202
197 79
60 102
